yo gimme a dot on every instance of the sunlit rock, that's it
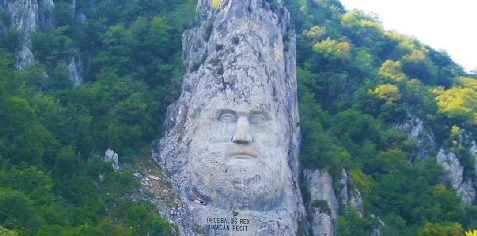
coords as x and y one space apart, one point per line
455 176
321 223
232 144
111 156
349 194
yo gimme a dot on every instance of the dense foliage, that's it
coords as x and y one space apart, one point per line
52 133
357 83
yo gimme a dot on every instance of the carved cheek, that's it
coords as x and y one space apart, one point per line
220 132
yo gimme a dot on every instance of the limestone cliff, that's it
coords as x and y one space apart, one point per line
74 75
320 187
25 17
455 176
424 138
232 144
425 142
349 194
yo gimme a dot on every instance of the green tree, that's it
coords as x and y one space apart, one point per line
16 210
441 229
6 232
457 102
24 137
392 71
351 223
389 92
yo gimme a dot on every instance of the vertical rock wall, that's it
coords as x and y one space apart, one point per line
455 176
232 142
25 16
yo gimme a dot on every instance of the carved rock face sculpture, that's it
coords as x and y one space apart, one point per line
239 153
233 135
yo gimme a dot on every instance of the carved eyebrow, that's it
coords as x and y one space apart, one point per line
260 112
223 111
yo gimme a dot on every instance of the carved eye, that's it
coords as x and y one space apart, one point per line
227 117
256 118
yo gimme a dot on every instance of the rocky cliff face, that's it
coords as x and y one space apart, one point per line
320 186
74 72
231 148
425 141
321 223
455 176
349 194
25 17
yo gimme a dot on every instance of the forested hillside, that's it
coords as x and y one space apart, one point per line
53 131
359 85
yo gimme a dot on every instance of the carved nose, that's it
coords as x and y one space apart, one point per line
241 135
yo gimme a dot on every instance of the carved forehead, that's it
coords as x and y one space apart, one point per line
240 100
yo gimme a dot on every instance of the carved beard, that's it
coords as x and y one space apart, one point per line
238 184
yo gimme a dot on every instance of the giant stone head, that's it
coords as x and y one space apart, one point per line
233 134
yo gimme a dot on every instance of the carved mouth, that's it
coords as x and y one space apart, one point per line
241 151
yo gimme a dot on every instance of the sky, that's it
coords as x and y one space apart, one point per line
441 24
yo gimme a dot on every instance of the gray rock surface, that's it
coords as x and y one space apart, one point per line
349 194
376 232
74 72
23 18
26 17
111 156
320 185
23 15
24 58
455 176
416 129
454 171
231 148
424 139
45 12
467 191
321 223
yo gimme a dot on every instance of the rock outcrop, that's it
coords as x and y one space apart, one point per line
455 176
467 191
24 58
232 144
320 185
23 16
425 140
111 156
349 194
321 223
74 72
26 17
454 171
